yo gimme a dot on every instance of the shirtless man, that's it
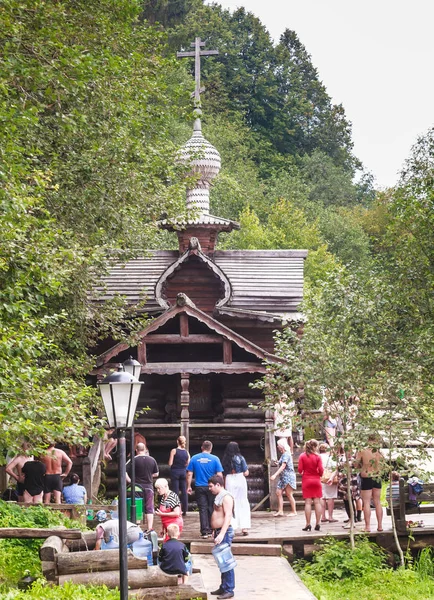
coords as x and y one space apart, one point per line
221 518
53 460
370 461
14 470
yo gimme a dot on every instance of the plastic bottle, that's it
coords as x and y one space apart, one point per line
224 558
110 545
143 548
89 512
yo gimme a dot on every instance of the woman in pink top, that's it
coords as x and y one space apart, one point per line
311 468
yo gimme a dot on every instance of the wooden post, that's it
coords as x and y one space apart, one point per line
185 403
3 479
227 351
92 468
270 456
183 325
141 352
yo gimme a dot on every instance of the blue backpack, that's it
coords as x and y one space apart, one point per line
415 488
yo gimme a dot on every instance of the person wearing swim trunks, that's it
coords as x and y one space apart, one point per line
371 464
54 459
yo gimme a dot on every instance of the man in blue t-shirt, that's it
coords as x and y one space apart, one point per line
203 466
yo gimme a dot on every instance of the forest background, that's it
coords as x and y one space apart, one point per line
93 108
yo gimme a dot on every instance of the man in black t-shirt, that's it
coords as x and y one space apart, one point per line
146 470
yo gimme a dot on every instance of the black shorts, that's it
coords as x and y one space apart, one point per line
20 488
368 483
53 483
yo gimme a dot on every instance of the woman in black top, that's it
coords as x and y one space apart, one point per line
178 461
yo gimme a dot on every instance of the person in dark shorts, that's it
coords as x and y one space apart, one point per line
174 554
34 475
371 464
54 459
146 470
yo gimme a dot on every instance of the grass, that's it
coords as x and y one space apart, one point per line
339 573
402 584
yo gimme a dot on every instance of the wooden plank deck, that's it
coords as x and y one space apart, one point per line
274 530
287 531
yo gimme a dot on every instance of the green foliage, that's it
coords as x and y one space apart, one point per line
424 564
378 585
40 590
363 573
335 560
20 555
87 165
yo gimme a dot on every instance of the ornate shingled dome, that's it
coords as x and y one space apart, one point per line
205 161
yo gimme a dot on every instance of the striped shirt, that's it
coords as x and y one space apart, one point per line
172 501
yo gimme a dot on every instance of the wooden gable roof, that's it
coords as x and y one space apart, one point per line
268 281
218 333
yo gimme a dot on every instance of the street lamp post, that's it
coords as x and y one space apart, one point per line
120 393
133 367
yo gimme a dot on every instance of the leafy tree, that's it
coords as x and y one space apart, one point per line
87 165
286 227
306 119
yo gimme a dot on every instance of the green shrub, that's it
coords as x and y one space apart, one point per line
385 584
41 591
335 559
20 555
424 564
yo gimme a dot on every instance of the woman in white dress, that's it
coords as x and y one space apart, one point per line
329 490
235 472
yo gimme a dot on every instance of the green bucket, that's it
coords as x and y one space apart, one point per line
139 509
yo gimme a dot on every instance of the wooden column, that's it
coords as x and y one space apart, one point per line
185 403
141 352
271 456
227 351
183 325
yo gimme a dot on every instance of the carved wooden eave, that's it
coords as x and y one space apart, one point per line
194 249
222 334
266 317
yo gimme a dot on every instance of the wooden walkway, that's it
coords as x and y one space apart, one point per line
260 577
279 530
256 578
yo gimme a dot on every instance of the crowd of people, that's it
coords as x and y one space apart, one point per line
221 488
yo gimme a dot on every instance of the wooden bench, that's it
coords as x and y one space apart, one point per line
400 511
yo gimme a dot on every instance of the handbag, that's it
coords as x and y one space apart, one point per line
325 477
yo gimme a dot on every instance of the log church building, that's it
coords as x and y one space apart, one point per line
214 315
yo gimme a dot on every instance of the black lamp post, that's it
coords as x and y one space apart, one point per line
133 367
120 392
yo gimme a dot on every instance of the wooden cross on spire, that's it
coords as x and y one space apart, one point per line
197 53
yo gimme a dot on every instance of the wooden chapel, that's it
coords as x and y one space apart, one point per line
214 312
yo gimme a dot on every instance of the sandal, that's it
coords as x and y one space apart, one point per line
244 533
278 514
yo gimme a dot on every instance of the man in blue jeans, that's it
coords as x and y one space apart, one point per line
223 531
203 465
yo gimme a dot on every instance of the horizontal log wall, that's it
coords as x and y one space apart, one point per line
152 577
